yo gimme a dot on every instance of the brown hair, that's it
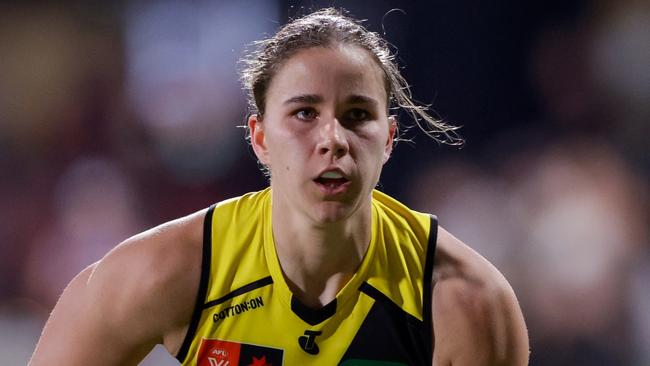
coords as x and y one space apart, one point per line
324 28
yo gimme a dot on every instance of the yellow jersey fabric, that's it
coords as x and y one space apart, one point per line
246 314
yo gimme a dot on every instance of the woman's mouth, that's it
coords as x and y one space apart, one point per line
332 183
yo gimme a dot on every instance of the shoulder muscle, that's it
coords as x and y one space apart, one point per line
476 317
140 294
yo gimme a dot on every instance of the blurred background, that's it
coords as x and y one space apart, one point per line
118 116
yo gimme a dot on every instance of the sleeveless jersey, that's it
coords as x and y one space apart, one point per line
246 314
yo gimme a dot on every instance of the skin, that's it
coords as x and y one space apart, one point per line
326 109
476 317
140 294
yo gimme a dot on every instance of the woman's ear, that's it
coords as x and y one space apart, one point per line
258 139
390 141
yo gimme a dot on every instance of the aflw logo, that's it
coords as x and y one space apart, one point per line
214 362
222 354
216 352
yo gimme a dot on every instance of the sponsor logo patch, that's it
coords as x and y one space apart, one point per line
237 309
215 352
308 342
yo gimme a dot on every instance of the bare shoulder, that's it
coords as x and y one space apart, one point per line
140 294
157 273
476 316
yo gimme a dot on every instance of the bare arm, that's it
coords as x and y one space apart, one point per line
141 294
476 317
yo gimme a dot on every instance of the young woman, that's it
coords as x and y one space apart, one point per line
317 269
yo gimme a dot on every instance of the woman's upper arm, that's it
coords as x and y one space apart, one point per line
83 327
116 310
476 316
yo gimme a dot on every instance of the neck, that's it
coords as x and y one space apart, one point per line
318 259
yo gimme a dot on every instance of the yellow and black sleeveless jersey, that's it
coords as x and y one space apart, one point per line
246 314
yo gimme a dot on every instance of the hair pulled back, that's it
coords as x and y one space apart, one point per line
326 28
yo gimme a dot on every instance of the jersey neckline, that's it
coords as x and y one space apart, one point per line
309 315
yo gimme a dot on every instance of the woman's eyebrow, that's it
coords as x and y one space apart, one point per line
304 99
361 99
315 99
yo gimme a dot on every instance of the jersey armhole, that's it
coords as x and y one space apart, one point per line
203 286
427 297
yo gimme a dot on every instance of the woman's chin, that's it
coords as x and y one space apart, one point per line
333 212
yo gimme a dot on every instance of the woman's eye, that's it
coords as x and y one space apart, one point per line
357 115
306 114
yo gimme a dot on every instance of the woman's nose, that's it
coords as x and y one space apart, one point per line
332 138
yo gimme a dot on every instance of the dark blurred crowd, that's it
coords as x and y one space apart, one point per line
117 117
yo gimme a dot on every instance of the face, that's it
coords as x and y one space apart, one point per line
325 134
